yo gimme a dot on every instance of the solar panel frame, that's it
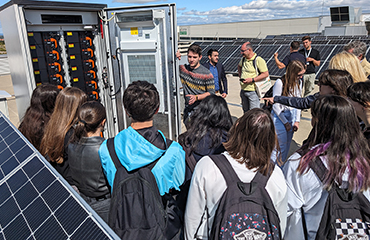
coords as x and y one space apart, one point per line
35 201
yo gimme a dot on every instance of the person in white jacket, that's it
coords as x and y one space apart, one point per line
337 140
286 119
251 142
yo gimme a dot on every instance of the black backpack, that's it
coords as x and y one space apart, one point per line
137 209
346 214
245 210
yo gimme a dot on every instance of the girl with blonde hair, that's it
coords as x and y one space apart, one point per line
348 61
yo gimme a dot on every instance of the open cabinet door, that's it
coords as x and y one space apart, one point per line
142 42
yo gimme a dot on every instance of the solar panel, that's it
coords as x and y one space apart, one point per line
229 52
35 201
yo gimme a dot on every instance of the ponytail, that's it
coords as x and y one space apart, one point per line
89 118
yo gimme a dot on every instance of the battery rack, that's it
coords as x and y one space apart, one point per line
48 60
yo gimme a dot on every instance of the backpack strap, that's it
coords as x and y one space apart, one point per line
112 153
255 65
262 179
319 168
225 168
189 158
117 162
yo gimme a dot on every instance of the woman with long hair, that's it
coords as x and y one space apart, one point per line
248 150
38 113
336 140
59 129
207 129
286 119
348 61
84 162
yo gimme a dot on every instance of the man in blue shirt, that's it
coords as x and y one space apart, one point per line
218 72
294 55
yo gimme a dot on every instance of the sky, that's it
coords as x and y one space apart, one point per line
190 12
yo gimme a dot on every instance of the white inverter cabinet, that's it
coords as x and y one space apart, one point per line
97 49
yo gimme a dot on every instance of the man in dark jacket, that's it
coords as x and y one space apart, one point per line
218 72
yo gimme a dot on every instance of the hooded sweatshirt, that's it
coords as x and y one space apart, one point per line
134 151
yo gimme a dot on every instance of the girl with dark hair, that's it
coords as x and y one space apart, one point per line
286 119
359 96
84 162
38 113
207 130
59 129
337 141
251 142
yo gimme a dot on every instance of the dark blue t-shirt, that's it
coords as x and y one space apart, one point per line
294 56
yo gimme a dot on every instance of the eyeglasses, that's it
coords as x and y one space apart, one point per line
300 75
243 50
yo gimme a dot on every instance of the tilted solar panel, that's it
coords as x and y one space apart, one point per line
35 201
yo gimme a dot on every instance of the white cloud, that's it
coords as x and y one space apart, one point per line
181 9
267 9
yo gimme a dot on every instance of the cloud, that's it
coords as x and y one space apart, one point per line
267 9
181 9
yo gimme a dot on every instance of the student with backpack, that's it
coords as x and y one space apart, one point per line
142 168
328 179
239 192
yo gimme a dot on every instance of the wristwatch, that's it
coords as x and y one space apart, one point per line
252 80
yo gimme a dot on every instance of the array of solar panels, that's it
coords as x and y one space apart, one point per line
35 202
229 51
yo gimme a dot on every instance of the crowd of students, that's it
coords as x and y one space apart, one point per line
66 129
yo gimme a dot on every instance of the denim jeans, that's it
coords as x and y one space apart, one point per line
284 138
250 100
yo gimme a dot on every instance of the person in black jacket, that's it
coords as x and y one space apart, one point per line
84 162
331 82
218 72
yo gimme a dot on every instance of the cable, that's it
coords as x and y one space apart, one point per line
119 74
104 19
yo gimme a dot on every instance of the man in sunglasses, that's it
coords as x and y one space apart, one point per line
248 75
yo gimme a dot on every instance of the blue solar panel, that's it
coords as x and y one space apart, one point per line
35 201
328 46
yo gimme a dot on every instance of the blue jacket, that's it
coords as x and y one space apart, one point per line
134 152
221 76
297 102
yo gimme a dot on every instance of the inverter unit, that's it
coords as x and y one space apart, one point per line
97 49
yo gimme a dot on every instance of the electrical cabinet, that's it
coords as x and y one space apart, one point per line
97 49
